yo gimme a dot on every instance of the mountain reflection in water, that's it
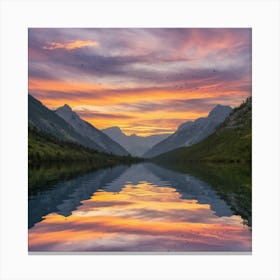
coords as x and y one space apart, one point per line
139 208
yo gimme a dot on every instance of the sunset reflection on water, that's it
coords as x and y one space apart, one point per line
140 217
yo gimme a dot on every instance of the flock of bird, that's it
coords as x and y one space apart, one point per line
177 86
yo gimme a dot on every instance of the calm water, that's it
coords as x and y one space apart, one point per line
141 208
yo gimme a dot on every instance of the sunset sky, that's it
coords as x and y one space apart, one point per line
146 81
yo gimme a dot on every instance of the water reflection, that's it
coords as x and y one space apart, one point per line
143 207
66 196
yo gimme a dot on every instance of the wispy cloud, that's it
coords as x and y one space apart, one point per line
70 45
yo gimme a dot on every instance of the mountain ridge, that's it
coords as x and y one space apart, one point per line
230 142
88 130
44 119
191 132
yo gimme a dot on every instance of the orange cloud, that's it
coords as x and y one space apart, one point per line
62 86
144 124
104 105
90 93
71 45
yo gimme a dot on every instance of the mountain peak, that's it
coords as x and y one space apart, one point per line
66 107
220 107
220 111
116 128
113 129
66 112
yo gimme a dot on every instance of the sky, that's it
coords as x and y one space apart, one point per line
144 80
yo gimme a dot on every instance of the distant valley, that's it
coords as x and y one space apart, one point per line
134 144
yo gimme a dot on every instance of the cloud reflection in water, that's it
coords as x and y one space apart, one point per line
141 217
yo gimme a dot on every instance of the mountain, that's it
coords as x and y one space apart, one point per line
48 121
191 132
134 144
44 148
230 142
87 130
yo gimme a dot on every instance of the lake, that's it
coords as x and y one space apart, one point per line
141 208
